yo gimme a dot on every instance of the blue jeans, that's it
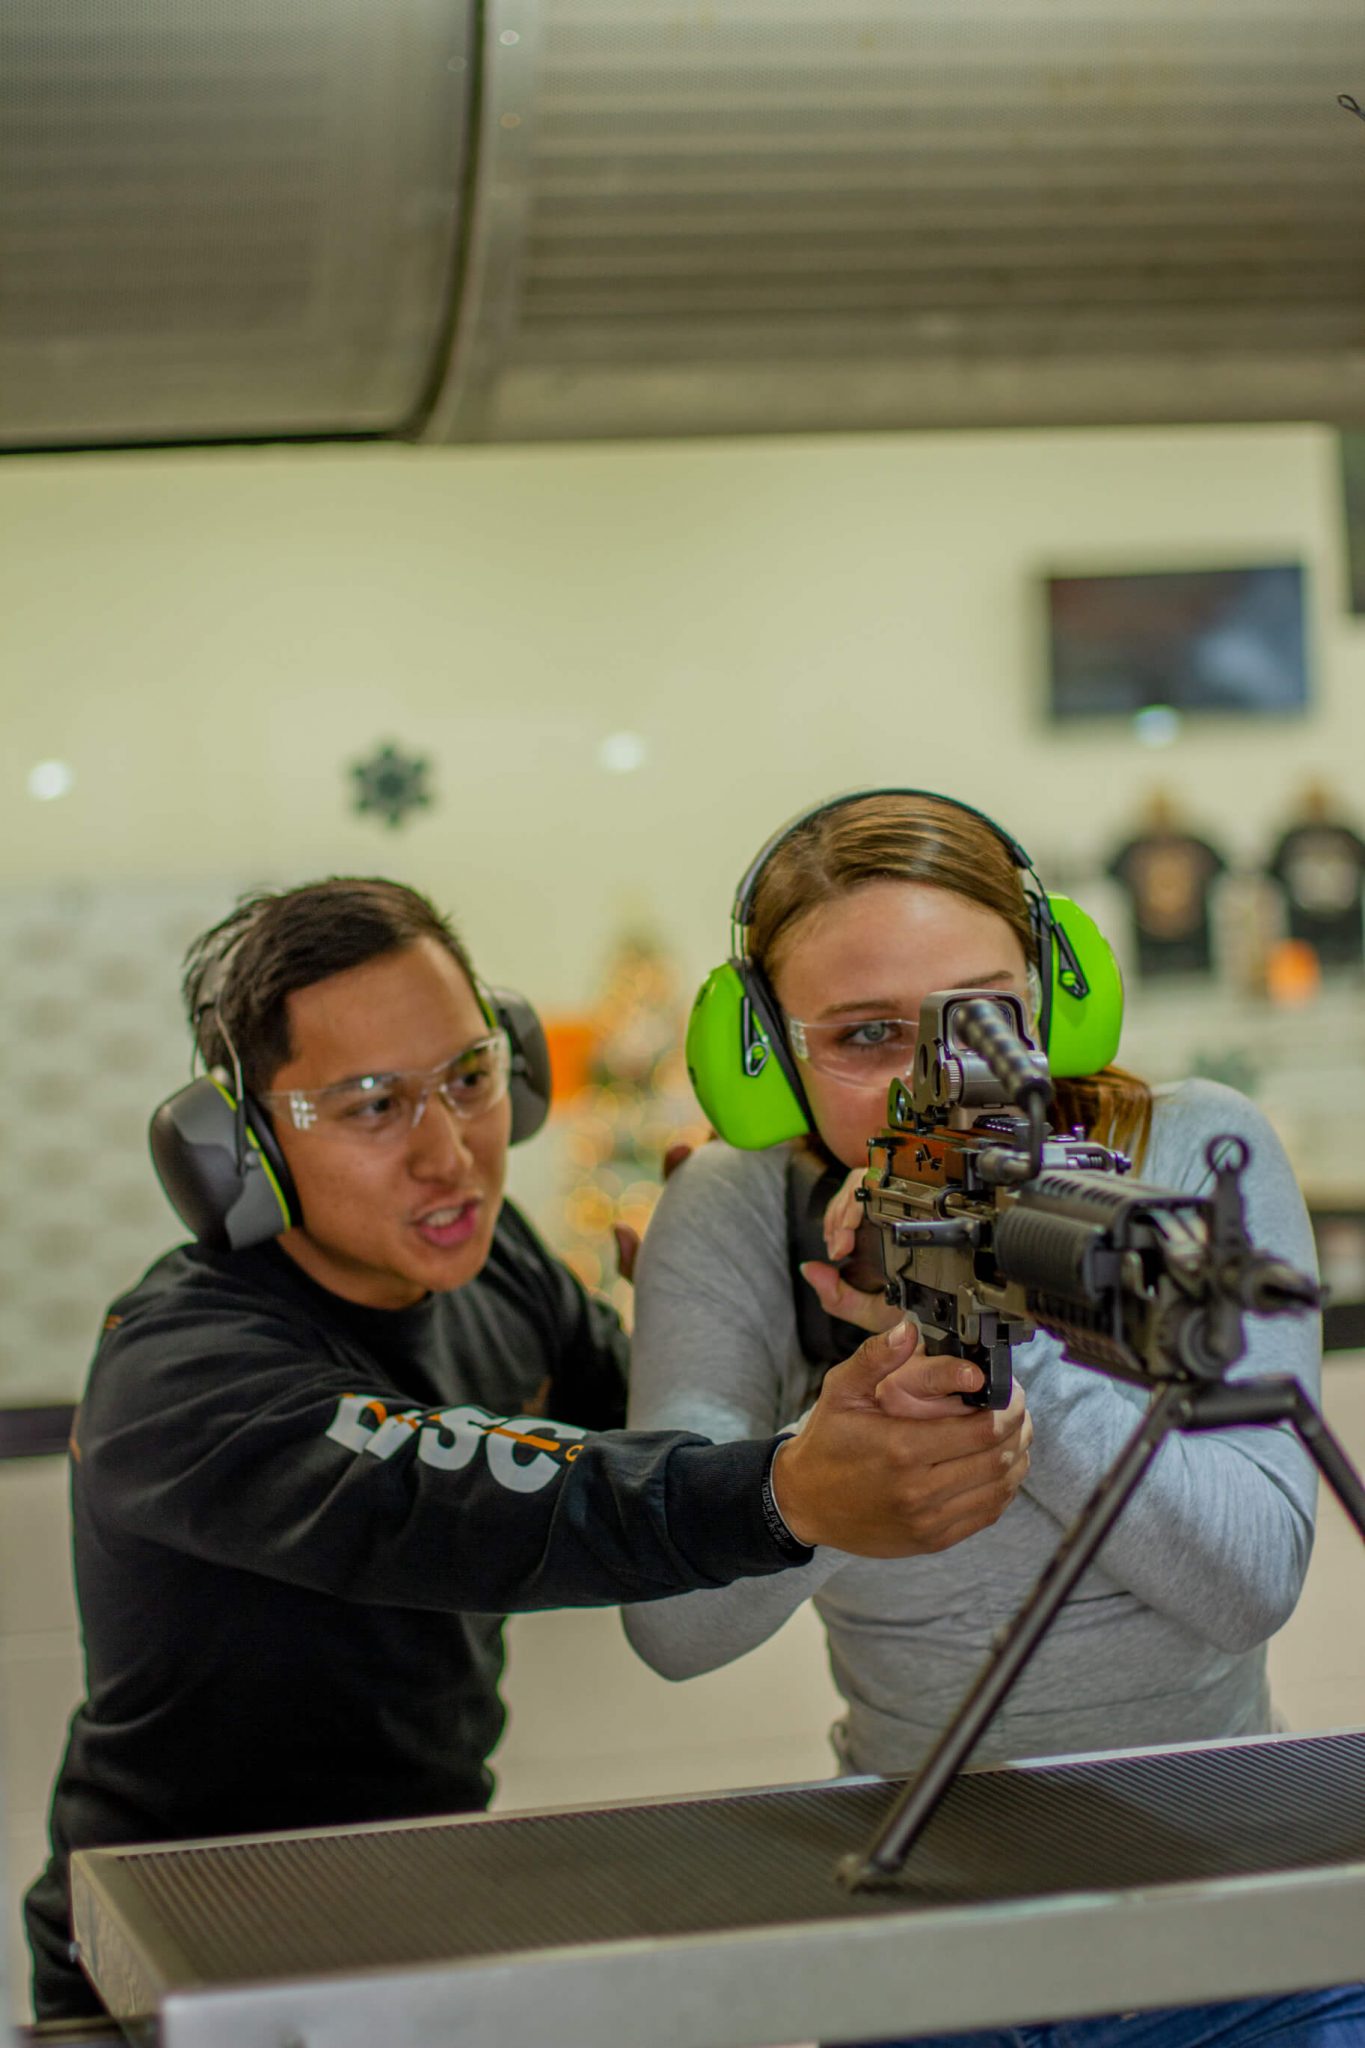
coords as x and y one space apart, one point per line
1306 2019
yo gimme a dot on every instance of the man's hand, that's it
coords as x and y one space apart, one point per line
890 1464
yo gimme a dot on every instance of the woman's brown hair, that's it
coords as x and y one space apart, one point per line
931 840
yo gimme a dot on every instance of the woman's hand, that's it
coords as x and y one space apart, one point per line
867 1311
842 1218
849 1281
837 1298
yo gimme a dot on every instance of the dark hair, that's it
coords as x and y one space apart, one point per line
904 838
240 975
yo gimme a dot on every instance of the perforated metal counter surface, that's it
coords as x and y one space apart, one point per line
1039 1890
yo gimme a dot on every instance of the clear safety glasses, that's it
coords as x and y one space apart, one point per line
869 1050
376 1106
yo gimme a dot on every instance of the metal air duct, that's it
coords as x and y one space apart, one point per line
226 218
544 219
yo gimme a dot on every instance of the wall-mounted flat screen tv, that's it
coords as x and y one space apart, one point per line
1215 642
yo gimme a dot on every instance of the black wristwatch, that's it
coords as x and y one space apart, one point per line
790 1546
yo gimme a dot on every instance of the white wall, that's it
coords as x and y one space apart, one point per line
208 638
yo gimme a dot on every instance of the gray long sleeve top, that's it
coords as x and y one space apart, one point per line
1163 1641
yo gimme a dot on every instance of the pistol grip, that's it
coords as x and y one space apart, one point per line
994 1361
999 1380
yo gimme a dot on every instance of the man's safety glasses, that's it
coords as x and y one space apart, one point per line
389 1105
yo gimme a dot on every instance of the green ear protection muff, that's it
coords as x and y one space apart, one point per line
743 1070
222 1169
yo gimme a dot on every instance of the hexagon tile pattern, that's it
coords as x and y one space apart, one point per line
91 1040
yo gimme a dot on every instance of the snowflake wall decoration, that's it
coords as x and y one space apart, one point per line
391 784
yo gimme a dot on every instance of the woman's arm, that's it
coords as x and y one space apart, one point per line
697 1632
1219 1533
715 1339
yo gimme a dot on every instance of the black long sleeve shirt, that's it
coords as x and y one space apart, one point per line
298 1524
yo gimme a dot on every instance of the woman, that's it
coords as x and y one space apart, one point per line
846 922
856 915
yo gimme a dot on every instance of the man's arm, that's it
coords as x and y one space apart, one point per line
272 1461
268 1462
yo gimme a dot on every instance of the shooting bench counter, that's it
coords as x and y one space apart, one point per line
1038 1890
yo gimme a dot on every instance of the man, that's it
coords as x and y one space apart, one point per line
301 1504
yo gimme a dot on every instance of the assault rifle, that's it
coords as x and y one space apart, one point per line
990 1226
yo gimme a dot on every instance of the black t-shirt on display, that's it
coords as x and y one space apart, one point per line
1168 877
1319 868
298 1524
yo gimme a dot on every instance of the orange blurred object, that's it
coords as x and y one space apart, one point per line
571 1042
1293 973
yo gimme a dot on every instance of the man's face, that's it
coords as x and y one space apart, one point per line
389 1220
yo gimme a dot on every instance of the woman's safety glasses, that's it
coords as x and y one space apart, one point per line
374 1106
867 1050
873 1050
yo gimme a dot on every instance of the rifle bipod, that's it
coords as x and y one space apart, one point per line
1179 1405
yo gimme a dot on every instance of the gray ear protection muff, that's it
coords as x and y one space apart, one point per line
216 1156
222 1169
529 1085
224 1175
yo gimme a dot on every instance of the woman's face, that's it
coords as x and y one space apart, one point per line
871 956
